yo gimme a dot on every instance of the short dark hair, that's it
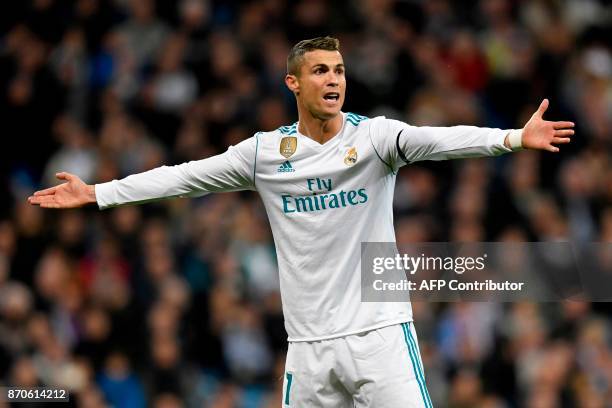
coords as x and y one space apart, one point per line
296 56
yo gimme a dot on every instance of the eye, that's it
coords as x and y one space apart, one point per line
318 71
340 71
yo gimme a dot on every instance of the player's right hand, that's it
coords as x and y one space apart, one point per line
74 193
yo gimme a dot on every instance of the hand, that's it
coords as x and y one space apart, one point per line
541 134
74 193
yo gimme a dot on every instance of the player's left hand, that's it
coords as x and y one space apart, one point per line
542 134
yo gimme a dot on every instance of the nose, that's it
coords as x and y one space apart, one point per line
332 79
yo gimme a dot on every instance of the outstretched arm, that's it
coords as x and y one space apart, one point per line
231 171
71 194
400 143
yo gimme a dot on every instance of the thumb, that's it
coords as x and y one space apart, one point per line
543 106
65 176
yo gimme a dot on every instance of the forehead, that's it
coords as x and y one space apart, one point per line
323 57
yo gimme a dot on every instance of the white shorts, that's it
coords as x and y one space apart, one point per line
380 368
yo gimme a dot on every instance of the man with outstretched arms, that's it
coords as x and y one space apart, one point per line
327 185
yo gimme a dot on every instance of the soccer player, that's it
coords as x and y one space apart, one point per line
327 184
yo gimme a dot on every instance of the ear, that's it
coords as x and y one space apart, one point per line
292 83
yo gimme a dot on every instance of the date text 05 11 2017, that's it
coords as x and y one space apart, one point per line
37 394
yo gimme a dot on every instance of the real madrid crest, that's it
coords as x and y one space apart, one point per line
351 157
288 145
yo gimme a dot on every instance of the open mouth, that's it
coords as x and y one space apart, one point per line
331 96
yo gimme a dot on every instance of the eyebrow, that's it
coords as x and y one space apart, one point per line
325 66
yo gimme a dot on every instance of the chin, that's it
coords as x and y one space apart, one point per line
327 114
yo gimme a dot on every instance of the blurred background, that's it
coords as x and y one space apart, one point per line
176 303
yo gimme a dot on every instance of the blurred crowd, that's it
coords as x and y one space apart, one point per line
176 303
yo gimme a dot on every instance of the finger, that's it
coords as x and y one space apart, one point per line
564 132
552 149
563 125
47 191
39 200
50 205
32 200
65 176
561 140
542 108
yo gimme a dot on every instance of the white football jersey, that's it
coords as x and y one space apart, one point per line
323 201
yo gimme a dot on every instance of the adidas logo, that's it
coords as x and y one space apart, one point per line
286 167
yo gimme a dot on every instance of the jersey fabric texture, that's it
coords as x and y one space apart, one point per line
322 201
380 368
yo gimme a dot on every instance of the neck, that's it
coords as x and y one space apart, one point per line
319 130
